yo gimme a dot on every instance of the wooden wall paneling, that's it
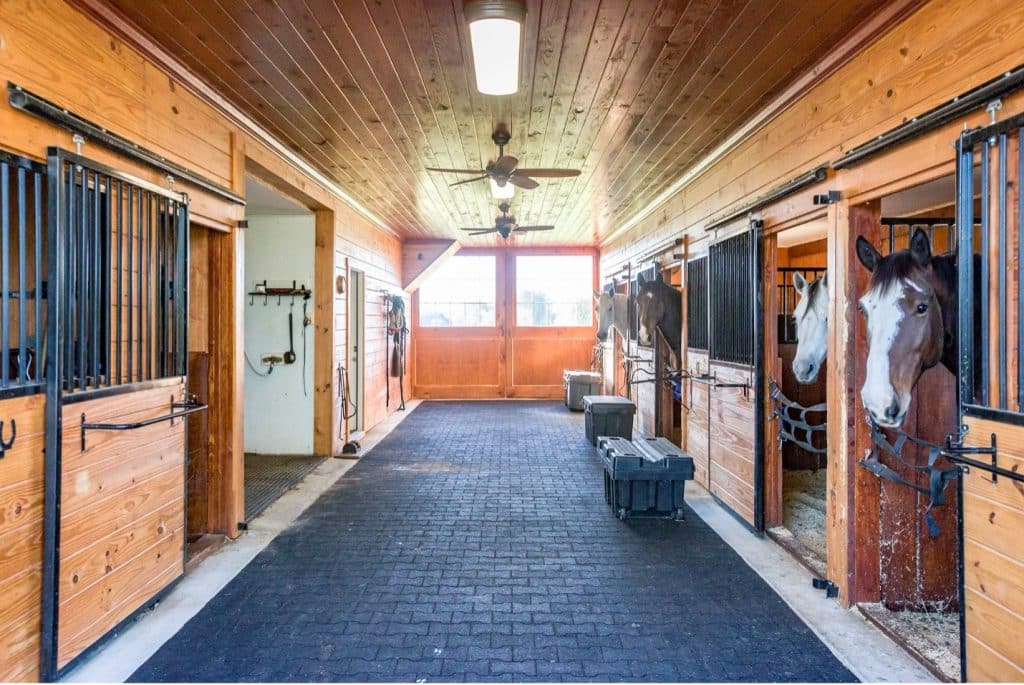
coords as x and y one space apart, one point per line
773 370
993 516
109 489
731 440
199 455
420 258
697 414
21 533
326 409
852 504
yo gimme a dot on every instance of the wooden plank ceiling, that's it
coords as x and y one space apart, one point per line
632 92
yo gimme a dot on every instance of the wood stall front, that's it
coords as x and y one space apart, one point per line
508 358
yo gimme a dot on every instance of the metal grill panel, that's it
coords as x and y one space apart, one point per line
697 304
731 285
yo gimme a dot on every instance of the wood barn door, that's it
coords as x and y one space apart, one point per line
116 365
505 346
991 249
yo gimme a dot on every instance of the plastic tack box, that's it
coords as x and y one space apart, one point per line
609 415
644 478
577 384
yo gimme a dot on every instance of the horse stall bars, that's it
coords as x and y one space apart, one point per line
22 298
116 359
991 357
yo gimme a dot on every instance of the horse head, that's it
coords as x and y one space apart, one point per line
910 306
650 308
605 307
811 316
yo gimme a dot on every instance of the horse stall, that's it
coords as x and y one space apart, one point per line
990 212
796 299
722 367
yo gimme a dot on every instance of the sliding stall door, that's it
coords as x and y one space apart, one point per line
116 401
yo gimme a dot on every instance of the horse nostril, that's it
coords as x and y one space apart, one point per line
892 411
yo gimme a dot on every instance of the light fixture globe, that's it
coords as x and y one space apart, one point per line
502 192
495 35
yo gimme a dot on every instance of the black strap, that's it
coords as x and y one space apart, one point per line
938 478
790 424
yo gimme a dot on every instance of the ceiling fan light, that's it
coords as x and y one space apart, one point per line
504 192
495 35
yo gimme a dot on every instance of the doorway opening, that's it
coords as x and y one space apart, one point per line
280 243
917 600
798 451
357 350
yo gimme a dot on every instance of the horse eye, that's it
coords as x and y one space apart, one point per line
922 308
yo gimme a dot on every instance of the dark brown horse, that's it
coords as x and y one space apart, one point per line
660 307
911 307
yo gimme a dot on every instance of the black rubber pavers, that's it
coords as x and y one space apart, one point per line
474 544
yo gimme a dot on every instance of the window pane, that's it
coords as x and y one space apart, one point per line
554 290
460 293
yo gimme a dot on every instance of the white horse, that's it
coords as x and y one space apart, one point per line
811 316
611 313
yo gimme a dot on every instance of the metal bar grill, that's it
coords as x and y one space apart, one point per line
731 286
990 242
697 304
120 234
941 232
787 299
21 216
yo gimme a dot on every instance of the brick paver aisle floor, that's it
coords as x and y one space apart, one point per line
473 543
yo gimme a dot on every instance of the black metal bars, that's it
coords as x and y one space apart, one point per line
178 410
697 304
787 300
124 286
731 286
22 336
991 276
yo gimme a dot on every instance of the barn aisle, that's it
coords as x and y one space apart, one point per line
473 543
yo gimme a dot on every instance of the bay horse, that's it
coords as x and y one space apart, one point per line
911 307
611 313
660 307
811 315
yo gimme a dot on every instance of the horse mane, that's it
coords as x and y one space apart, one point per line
900 265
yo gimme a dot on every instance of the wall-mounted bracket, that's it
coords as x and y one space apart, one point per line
7 444
829 198
830 588
956 452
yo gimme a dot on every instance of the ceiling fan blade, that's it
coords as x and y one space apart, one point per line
549 173
535 228
524 182
483 232
468 180
457 171
504 166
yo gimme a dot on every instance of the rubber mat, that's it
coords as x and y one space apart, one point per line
268 476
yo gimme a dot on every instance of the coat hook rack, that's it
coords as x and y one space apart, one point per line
263 290
7 444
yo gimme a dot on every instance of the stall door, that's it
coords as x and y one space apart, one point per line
116 359
22 203
991 328
735 373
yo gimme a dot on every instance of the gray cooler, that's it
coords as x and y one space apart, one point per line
609 415
577 384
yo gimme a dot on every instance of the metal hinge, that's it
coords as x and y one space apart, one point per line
829 198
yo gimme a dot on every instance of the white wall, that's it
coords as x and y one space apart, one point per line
278 416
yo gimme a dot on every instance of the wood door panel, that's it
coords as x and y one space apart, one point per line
469 361
993 517
541 361
122 512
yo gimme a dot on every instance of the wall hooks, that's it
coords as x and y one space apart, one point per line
7 444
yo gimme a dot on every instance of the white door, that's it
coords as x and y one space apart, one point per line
356 320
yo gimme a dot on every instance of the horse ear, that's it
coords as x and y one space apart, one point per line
824 279
640 280
658 278
799 282
597 296
921 248
867 254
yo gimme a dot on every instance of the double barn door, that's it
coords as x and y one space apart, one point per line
94 350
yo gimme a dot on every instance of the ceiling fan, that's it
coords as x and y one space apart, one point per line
506 168
505 225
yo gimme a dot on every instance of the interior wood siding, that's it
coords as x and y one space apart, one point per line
994 559
945 48
629 91
122 523
21 538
